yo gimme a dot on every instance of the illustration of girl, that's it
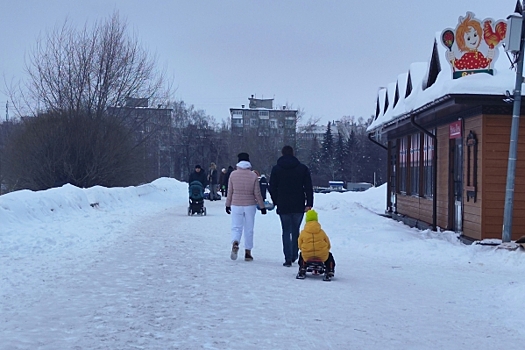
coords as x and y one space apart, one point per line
468 38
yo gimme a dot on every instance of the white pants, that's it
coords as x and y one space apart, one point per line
243 218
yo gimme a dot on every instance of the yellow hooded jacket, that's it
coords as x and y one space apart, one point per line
313 242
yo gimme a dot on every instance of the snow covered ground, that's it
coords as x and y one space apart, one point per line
126 268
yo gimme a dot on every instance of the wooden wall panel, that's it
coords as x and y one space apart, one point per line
415 207
407 205
495 160
425 210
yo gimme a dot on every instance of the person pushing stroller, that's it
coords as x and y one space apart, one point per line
314 245
196 185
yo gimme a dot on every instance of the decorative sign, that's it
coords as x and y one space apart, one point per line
471 46
454 130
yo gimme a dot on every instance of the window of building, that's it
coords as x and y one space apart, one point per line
264 115
273 123
237 122
254 122
403 164
237 114
428 166
472 166
289 123
247 121
414 164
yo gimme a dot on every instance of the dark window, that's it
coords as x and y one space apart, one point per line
414 164
403 164
472 166
409 86
396 96
428 166
434 68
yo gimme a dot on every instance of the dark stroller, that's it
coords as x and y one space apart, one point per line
196 193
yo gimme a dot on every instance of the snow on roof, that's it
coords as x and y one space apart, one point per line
418 76
390 93
381 96
398 107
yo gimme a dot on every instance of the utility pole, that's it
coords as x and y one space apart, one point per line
514 130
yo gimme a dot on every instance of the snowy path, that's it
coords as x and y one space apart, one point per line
169 284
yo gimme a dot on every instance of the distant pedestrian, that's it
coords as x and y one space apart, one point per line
226 178
198 175
292 192
263 183
213 181
222 185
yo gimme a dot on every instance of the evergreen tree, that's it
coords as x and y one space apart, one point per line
327 144
340 155
314 161
350 146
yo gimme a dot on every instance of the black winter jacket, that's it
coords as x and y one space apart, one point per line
291 186
198 176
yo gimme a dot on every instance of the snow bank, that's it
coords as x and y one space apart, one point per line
69 218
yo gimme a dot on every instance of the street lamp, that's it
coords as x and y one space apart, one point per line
513 43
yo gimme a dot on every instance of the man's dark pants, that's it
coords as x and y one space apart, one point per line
291 224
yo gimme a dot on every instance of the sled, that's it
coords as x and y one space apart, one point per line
315 267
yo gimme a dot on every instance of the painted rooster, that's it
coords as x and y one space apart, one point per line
492 38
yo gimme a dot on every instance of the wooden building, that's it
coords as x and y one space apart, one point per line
447 136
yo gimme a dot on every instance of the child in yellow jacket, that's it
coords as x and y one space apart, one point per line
314 245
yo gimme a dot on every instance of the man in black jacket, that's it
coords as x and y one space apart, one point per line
292 192
198 175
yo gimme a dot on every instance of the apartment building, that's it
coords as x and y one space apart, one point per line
260 119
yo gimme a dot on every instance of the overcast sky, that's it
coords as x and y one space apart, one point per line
327 58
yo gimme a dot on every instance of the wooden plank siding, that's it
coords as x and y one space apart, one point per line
472 211
495 141
418 208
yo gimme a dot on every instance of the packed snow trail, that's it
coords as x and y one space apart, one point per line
168 282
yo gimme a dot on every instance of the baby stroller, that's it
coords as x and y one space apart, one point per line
196 193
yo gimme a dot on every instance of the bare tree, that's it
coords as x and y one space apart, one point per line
85 71
74 78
